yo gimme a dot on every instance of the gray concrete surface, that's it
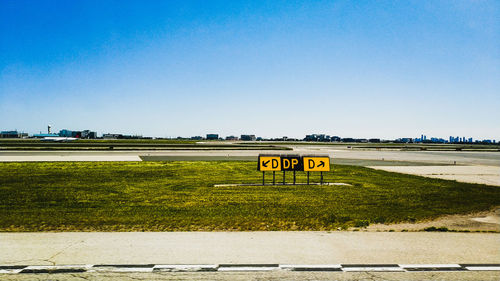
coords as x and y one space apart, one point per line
491 158
473 174
236 276
248 247
433 157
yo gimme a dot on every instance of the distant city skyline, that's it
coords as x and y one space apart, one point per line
214 136
270 68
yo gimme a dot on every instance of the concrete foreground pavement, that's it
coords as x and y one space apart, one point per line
248 247
237 276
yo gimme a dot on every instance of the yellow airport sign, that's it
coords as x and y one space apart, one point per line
316 164
291 163
269 163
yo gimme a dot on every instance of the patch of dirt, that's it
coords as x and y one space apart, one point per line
482 221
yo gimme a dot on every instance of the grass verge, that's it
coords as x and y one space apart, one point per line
179 196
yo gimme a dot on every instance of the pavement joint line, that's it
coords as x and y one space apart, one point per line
483 268
124 265
248 268
82 268
185 267
371 267
433 267
314 267
55 269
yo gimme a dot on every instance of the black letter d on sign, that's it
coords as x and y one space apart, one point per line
274 163
310 163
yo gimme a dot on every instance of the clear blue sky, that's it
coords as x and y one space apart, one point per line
272 68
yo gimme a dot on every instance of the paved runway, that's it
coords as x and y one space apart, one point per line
428 157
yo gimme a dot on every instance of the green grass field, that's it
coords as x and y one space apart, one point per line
174 196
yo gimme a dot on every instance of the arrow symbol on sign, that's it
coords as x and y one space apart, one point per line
321 164
264 164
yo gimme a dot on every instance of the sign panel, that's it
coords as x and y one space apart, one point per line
316 163
269 163
291 163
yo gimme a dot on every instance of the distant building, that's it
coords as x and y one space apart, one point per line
66 133
45 135
112 136
12 134
311 137
321 138
231 138
437 140
324 137
404 140
120 136
348 140
335 138
85 134
248 137
197 138
212 136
